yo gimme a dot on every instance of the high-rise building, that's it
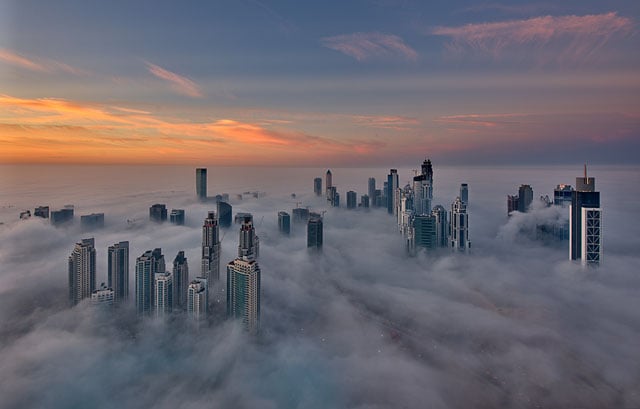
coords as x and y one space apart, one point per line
459 230
211 249
284 223
423 189
392 186
224 214
177 217
562 195
92 221
62 216
512 204
442 227
104 296
163 294
42 211
300 215
201 183
317 186
314 233
243 281
585 222
147 265
525 197
118 270
333 197
328 184
197 299
372 191
425 231
351 199
158 213
82 271
464 193
364 201
377 200
240 217
180 281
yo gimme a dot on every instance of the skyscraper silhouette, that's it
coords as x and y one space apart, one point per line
118 271
585 222
211 249
201 183
147 265
82 271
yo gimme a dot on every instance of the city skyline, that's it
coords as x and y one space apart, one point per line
472 83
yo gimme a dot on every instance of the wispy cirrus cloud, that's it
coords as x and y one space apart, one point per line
575 37
179 83
392 122
364 46
38 64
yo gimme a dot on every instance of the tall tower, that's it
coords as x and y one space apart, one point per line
243 281
329 185
201 183
585 218
392 186
464 193
82 271
351 199
224 214
372 191
163 294
197 299
525 197
180 281
459 231
211 249
118 270
284 223
442 227
147 265
314 233
423 189
317 186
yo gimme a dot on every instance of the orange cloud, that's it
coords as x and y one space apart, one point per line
179 83
37 64
363 46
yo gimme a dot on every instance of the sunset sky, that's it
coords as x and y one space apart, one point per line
293 83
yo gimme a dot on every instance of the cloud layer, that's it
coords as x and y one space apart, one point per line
365 46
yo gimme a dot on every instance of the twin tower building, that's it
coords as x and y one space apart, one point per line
159 291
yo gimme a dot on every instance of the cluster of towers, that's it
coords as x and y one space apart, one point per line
421 224
160 291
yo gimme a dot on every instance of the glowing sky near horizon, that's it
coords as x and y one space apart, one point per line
326 83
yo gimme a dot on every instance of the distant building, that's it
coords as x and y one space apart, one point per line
371 191
314 233
377 198
329 185
92 221
351 199
62 216
158 213
82 271
42 211
422 190
25 215
177 217
147 265
240 217
442 226
300 215
392 186
459 230
464 193
243 281
512 204
333 197
104 296
284 223
562 195
201 183
585 231
224 214
364 201
180 281
425 231
525 197
211 248
197 299
118 270
317 186
163 294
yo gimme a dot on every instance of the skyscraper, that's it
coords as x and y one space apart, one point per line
201 183
585 218
82 271
351 199
41 211
300 215
163 294
364 201
423 189
211 249
329 184
104 296
62 216
459 222
224 214
92 221
512 204
147 265
464 193
243 282
442 227
118 270
562 195
197 299
158 213
525 197
284 223
372 191
317 186
392 186
177 217
314 233
180 281
425 231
